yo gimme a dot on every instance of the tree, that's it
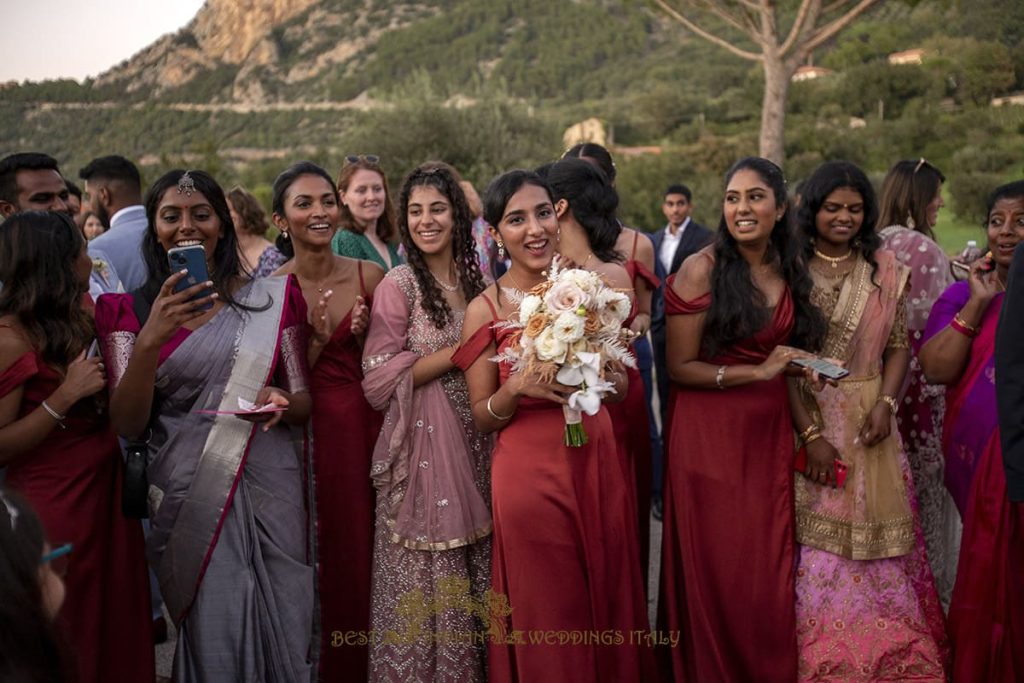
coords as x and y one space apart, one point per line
780 52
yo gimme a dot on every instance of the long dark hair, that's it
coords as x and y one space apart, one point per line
31 648
826 179
227 264
909 187
38 254
282 184
592 201
596 152
445 180
738 308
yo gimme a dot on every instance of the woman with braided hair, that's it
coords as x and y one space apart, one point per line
431 467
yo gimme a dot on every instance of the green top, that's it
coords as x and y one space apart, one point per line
354 245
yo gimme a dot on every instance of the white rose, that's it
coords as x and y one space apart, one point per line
569 327
613 303
530 304
549 348
588 281
564 296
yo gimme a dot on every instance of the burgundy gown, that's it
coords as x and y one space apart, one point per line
564 550
630 421
345 429
73 480
728 556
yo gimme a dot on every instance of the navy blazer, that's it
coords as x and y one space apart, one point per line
1010 378
695 238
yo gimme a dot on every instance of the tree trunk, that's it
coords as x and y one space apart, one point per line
773 108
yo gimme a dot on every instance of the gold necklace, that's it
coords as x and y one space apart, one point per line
833 261
444 285
320 285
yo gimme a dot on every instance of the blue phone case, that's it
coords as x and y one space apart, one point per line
194 260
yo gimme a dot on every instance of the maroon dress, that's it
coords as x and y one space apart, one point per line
73 480
345 429
630 420
728 562
564 549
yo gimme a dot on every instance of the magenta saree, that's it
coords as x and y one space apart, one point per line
981 613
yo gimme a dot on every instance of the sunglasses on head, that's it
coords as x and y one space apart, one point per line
922 162
365 158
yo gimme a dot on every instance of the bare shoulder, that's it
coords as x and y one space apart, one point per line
615 275
479 311
373 274
694 276
13 344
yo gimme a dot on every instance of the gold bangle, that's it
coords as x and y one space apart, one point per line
493 414
891 402
963 323
720 377
804 435
813 437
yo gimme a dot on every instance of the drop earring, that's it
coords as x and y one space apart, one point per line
501 251
910 221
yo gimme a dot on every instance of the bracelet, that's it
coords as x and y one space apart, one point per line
963 328
807 433
891 402
490 411
720 377
55 415
813 437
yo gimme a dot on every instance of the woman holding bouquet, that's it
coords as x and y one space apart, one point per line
736 310
431 467
585 203
581 572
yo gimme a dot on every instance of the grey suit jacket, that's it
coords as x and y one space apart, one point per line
1010 378
122 245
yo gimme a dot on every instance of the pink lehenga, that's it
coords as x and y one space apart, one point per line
866 604
922 405
431 469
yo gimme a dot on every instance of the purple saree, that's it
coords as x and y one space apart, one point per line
227 501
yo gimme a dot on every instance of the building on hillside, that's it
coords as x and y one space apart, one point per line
808 72
589 130
915 56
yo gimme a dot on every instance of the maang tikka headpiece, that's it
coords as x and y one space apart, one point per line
186 185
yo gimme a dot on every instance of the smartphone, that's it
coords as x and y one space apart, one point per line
94 349
192 259
823 367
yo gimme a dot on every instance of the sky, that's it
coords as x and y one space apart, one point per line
46 39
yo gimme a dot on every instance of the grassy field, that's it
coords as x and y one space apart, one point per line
953 233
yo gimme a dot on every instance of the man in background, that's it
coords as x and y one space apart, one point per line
30 181
680 238
114 188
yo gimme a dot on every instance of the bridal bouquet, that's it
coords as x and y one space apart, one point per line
570 331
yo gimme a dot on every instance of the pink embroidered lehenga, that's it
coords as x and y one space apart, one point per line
867 608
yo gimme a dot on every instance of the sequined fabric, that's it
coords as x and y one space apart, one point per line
427 605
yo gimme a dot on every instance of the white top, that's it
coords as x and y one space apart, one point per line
669 244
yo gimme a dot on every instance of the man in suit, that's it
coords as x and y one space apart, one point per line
114 188
1010 403
680 238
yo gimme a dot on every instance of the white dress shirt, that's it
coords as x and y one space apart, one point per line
669 244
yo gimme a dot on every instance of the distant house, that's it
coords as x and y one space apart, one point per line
590 130
915 56
809 73
1014 99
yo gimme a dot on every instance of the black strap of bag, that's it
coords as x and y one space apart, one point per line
135 487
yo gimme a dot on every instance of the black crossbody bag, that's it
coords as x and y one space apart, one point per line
135 487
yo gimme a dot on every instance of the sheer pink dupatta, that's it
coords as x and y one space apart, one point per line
421 463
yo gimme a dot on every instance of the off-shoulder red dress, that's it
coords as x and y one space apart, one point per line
565 551
73 481
728 557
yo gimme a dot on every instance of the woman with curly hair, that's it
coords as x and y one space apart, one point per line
431 467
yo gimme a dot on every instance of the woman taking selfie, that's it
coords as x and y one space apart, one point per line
231 557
